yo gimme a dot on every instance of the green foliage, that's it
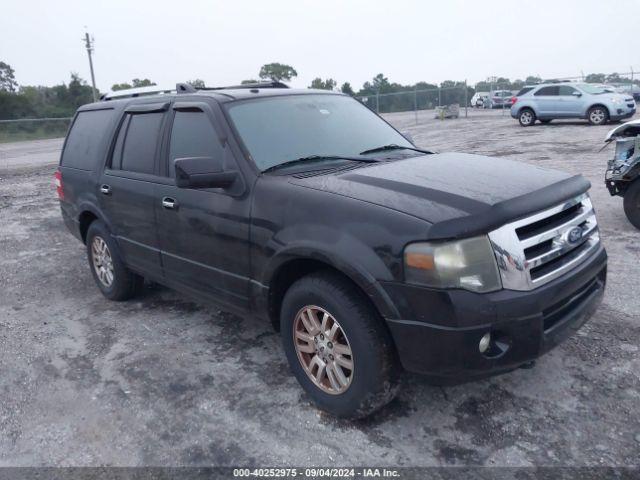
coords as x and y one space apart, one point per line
196 83
135 83
277 72
346 88
7 78
328 84
595 78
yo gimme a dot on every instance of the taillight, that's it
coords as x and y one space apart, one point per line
58 181
514 100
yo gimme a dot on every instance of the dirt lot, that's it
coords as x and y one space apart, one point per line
164 381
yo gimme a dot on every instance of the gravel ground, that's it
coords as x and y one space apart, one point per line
165 381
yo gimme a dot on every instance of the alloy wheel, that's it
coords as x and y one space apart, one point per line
323 349
102 261
597 116
526 117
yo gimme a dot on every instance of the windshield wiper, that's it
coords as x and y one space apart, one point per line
392 146
317 158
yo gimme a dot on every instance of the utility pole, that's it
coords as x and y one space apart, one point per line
89 45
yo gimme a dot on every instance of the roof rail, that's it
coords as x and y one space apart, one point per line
267 84
151 90
183 88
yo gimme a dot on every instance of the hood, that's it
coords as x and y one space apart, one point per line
629 129
459 193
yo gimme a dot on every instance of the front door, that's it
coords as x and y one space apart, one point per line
204 233
127 187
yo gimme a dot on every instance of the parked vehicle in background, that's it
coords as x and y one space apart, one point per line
629 89
623 170
499 99
477 101
307 210
595 103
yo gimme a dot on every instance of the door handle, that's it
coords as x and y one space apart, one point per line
106 189
169 203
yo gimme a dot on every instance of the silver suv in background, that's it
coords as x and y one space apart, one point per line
547 102
498 99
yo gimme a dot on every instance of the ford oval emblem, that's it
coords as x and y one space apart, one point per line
574 235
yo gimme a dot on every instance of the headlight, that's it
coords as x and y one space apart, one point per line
616 100
468 264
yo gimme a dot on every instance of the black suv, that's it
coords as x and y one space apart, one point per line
305 208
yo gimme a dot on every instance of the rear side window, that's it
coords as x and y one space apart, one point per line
87 139
192 135
566 90
137 143
547 91
523 91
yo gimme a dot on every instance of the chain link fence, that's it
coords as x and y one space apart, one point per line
33 129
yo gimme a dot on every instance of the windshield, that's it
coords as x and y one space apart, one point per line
593 89
283 128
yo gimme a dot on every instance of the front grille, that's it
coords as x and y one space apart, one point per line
535 250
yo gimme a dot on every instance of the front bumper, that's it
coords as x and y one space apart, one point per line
440 330
622 112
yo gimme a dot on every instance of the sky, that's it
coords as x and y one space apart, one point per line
224 42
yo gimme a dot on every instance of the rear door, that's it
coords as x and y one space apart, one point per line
204 233
127 186
546 100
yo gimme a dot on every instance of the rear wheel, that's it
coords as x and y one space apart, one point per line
598 115
632 203
527 117
337 346
114 279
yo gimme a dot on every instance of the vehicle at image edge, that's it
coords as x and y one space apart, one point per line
308 210
478 99
546 102
623 170
498 99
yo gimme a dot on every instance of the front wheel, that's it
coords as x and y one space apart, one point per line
337 346
597 115
527 117
631 203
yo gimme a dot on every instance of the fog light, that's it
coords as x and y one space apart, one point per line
485 341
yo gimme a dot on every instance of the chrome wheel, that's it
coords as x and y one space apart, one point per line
526 118
323 349
102 261
597 116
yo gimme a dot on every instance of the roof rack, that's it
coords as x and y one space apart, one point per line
184 88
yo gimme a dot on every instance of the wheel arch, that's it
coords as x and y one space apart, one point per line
89 214
292 267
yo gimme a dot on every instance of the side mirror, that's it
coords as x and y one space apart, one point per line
576 94
203 172
408 136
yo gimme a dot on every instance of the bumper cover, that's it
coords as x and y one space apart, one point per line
441 330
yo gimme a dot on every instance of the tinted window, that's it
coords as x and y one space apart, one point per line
192 135
566 90
547 91
86 140
523 91
140 133
288 127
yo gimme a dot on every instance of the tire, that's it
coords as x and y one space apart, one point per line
598 115
114 279
372 380
546 122
526 117
631 203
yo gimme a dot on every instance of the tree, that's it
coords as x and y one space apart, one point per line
78 92
328 84
532 79
196 83
277 72
381 84
120 86
136 82
346 88
595 78
7 79
247 82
